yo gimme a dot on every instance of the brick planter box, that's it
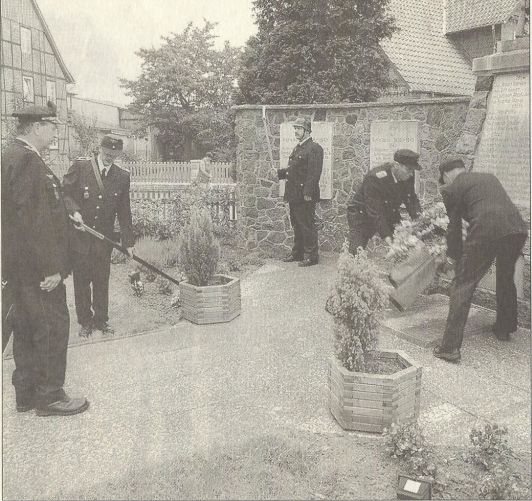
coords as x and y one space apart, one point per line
371 402
211 304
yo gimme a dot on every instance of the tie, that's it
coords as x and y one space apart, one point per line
103 173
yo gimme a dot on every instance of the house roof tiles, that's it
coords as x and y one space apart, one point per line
426 59
468 14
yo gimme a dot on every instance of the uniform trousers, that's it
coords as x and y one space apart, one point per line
360 231
475 262
40 341
303 221
92 306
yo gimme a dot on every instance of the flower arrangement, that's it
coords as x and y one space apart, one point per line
428 229
357 298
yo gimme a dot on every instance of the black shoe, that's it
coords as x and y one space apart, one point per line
104 328
308 262
291 259
85 331
65 407
449 356
500 334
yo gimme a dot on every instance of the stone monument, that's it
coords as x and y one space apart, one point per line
504 146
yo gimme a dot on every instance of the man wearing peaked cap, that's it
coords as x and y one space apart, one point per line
302 192
97 193
34 263
374 207
496 231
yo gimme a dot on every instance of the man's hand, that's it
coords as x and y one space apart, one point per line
131 251
307 198
78 221
51 282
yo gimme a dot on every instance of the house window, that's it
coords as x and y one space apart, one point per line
27 89
25 40
50 91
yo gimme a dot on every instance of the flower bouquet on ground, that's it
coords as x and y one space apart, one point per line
418 250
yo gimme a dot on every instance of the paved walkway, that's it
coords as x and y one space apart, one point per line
179 390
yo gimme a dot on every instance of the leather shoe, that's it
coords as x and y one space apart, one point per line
291 259
449 356
308 262
25 405
105 328
85 331
65 407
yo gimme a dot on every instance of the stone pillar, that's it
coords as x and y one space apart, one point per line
502 146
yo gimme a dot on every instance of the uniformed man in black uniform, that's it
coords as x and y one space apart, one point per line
302 192
96 193
496 231
35 261
375 206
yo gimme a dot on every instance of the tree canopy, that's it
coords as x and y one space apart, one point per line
185 90
315 51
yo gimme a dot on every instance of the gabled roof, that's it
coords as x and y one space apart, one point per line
468 14
423 55
68 76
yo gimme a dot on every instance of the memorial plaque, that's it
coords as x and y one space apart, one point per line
387 136
504 148
322 134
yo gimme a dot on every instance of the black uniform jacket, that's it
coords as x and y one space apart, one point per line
35 228
377 201
99 210
480 199
303 173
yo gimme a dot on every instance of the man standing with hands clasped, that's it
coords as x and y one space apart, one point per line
35 261
302 192
496 231
96 193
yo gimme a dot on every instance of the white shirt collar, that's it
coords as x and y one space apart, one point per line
103 168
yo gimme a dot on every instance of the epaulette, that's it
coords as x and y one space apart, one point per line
84 158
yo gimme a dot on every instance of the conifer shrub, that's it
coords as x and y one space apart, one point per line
198 250
356 301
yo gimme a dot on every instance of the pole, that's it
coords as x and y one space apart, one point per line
123 250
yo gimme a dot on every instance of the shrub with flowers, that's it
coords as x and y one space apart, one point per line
428 229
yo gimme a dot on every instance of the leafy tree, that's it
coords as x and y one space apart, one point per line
311 51
185 90
86 134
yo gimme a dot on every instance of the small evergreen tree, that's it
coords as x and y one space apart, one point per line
198 250
356 300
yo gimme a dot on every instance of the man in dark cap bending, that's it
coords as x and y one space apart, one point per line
35 262
96 193
496 231
374 207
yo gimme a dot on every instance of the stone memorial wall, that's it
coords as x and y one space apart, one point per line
435 124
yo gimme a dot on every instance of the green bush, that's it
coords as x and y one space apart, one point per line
500 483
407 443
159 253
165 218
356 301
198 249
489 446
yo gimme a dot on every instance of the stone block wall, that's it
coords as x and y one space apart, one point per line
263 216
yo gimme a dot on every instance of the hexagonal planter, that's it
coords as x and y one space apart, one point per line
211 304
371 402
